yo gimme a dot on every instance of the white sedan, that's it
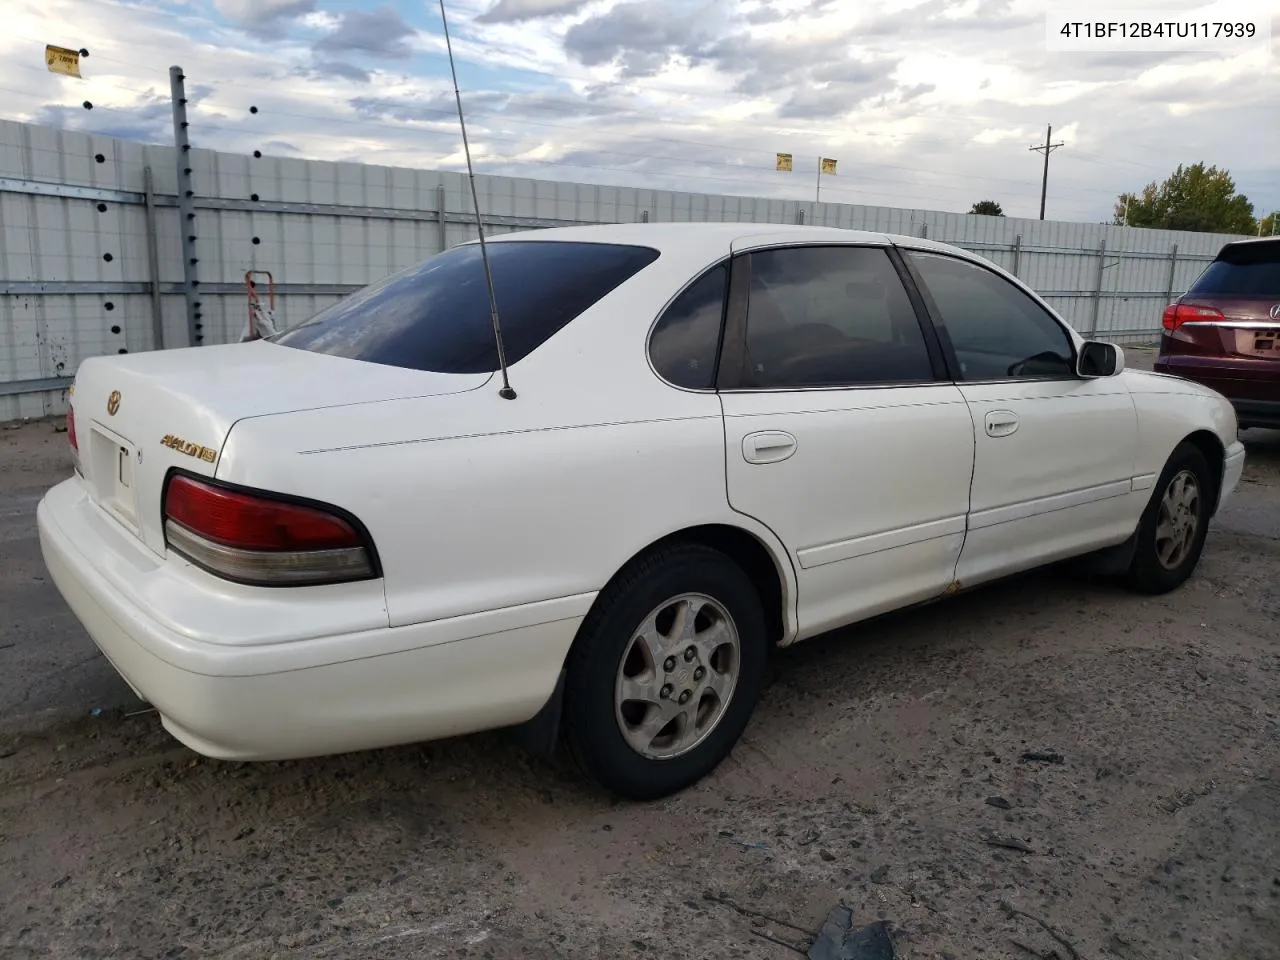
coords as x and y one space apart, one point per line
723 437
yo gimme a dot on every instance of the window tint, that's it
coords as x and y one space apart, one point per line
1250 270
436 316
998 332
830 316
687 338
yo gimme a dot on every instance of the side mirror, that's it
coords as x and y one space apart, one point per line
1098 359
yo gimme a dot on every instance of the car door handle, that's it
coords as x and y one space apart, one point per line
768 446
1001 423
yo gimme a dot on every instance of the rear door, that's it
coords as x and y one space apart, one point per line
842 433
1053 464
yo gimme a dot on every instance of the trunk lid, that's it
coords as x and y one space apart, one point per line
140 415
1246 329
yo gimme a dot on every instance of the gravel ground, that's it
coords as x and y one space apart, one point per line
886 768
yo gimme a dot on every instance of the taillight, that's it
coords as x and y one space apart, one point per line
1176 314
260 539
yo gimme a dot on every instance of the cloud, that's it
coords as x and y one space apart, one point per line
938 17
264 16
674 94
838 88
336 68
488 105
381 32
518 11
433 108
150 121
641 36
762 16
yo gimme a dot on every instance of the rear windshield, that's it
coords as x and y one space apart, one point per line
1250 270
435 316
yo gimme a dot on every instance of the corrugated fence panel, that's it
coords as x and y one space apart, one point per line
76 276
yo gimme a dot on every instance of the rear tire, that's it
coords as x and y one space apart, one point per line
666 672
1173 528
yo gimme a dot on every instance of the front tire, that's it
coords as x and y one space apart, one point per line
666 672
1174 525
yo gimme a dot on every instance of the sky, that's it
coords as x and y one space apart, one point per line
928 104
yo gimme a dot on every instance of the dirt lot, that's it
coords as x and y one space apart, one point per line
884 769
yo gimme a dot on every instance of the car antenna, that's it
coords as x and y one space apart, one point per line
506 392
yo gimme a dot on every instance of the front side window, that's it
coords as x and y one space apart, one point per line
996 330
686 339
436 316
830 316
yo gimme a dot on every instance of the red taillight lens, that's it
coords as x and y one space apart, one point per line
71 429
259 539
1176 314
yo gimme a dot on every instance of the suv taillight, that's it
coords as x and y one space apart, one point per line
261 539
1176 314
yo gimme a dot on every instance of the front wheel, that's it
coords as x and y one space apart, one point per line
1174 525
666 672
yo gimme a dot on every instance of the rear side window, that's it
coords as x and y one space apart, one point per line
1250 270
687 338
830 316
436 316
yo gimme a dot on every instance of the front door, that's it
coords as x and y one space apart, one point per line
1053 468
841 432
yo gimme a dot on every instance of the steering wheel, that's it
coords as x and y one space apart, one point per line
1046 356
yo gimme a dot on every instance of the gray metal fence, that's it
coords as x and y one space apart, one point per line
96 239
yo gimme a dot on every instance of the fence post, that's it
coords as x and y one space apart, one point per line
1017 253
186 206
153 259
1173 266
1097 292
443 224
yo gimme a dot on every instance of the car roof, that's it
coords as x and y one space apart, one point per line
1248 242
675 237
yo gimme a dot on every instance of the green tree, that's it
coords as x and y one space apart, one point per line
1268 225
1196 198
987 208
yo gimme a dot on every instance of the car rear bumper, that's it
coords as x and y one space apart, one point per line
1257 413
308 697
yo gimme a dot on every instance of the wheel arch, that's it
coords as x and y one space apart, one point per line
1210 445
763 561
760 555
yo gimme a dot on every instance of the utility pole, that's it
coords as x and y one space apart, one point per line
1046 149
186 207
